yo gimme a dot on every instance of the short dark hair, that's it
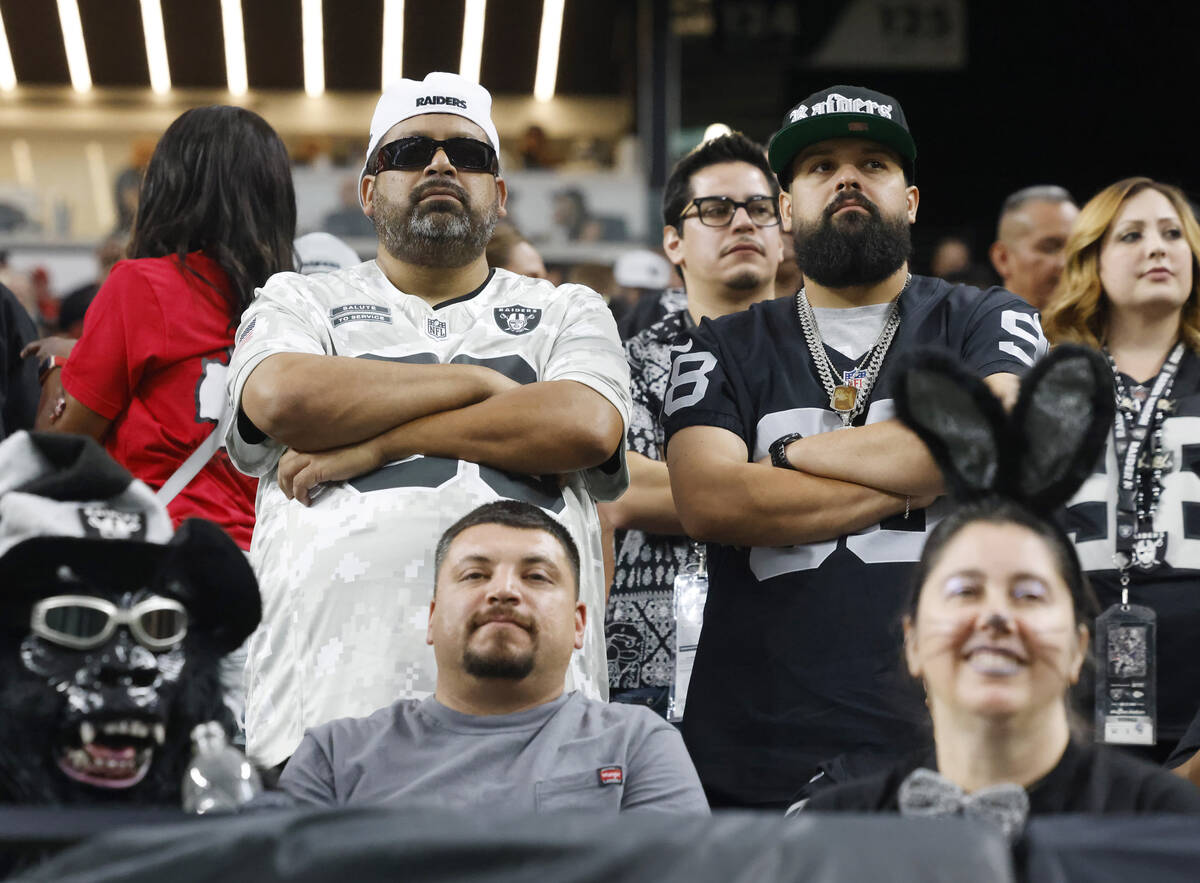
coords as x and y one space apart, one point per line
508 513
734 147
220 182
998 510
504 239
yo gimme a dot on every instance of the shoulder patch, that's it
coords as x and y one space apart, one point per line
517 319
360 313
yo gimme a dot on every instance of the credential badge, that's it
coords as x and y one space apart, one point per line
517 319
435 328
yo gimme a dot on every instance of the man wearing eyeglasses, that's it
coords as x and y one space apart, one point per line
722 231
380 403
783 456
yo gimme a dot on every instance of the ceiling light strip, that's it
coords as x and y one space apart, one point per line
472 40
548 42
393 42
8 75
156 47
72 31
235 46
314 48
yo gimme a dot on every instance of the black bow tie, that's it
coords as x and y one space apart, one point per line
930 794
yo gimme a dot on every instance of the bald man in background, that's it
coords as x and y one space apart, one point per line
1031 236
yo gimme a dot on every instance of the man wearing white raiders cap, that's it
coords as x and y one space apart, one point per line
381 402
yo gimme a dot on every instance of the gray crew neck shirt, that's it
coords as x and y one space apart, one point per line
851 330
570 753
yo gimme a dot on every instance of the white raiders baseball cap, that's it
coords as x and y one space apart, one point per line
439 92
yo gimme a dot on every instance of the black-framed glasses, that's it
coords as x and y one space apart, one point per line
85 621
718 211
417 151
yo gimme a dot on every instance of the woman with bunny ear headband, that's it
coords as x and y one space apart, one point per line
1131 287
997 624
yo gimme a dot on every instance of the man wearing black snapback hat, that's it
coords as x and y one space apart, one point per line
812 533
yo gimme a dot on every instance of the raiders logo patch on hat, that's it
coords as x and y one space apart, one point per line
106 523
517 319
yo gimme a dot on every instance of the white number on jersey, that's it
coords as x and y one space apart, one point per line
682 374
1028 343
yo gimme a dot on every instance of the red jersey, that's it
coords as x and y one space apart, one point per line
156 343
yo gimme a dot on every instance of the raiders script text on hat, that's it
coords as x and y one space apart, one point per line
837 104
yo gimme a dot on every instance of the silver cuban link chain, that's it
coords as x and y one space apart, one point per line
848 401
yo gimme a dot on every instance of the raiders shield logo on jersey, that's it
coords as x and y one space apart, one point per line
517 319
101 522
435 328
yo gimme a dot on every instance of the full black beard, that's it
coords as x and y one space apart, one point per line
440 235
856 250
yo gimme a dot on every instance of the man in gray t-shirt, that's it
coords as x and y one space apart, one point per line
499 731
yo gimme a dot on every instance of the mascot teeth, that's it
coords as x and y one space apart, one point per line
87 733
160 734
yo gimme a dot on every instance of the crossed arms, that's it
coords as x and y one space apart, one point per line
342 417
843 482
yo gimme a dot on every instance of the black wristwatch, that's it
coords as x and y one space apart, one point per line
778 450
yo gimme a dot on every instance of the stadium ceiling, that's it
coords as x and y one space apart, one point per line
119 44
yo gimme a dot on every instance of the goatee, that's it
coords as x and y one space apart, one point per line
855 248
442 233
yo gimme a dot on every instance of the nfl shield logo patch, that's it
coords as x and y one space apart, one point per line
435 328
517 319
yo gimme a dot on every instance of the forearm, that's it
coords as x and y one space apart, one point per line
539 429
313 403
751 504
74 416
647 504
885 456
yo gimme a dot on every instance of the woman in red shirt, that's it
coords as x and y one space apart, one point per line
216 218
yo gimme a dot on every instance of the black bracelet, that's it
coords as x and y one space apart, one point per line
778 450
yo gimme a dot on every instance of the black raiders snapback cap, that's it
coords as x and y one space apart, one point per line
841 112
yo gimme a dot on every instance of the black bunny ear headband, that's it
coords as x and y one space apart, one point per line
1039 454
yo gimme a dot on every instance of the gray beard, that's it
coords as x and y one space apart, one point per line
433 236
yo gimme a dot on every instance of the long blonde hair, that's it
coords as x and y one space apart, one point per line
1078 311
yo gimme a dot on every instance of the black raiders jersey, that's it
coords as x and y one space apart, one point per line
799 657
1173 589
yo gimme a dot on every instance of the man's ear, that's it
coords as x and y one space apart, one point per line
366 187
429 625
911 657
580 623
673 245
1000 257
501 197
785 211
914 198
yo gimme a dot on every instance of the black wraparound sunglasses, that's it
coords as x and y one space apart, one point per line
416 152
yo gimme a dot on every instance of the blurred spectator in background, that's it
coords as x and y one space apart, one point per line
598 277
642 278
534 149
323 253
951 254
18 376
721 211
74 304
575 222
1031 236
20 286
348 220
511 251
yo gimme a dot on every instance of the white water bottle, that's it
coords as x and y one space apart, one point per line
219 778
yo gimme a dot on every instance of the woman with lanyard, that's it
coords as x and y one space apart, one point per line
1129 288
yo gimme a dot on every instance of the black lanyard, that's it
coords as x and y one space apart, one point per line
1130 438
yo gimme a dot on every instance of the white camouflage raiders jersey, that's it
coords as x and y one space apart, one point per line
346 582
